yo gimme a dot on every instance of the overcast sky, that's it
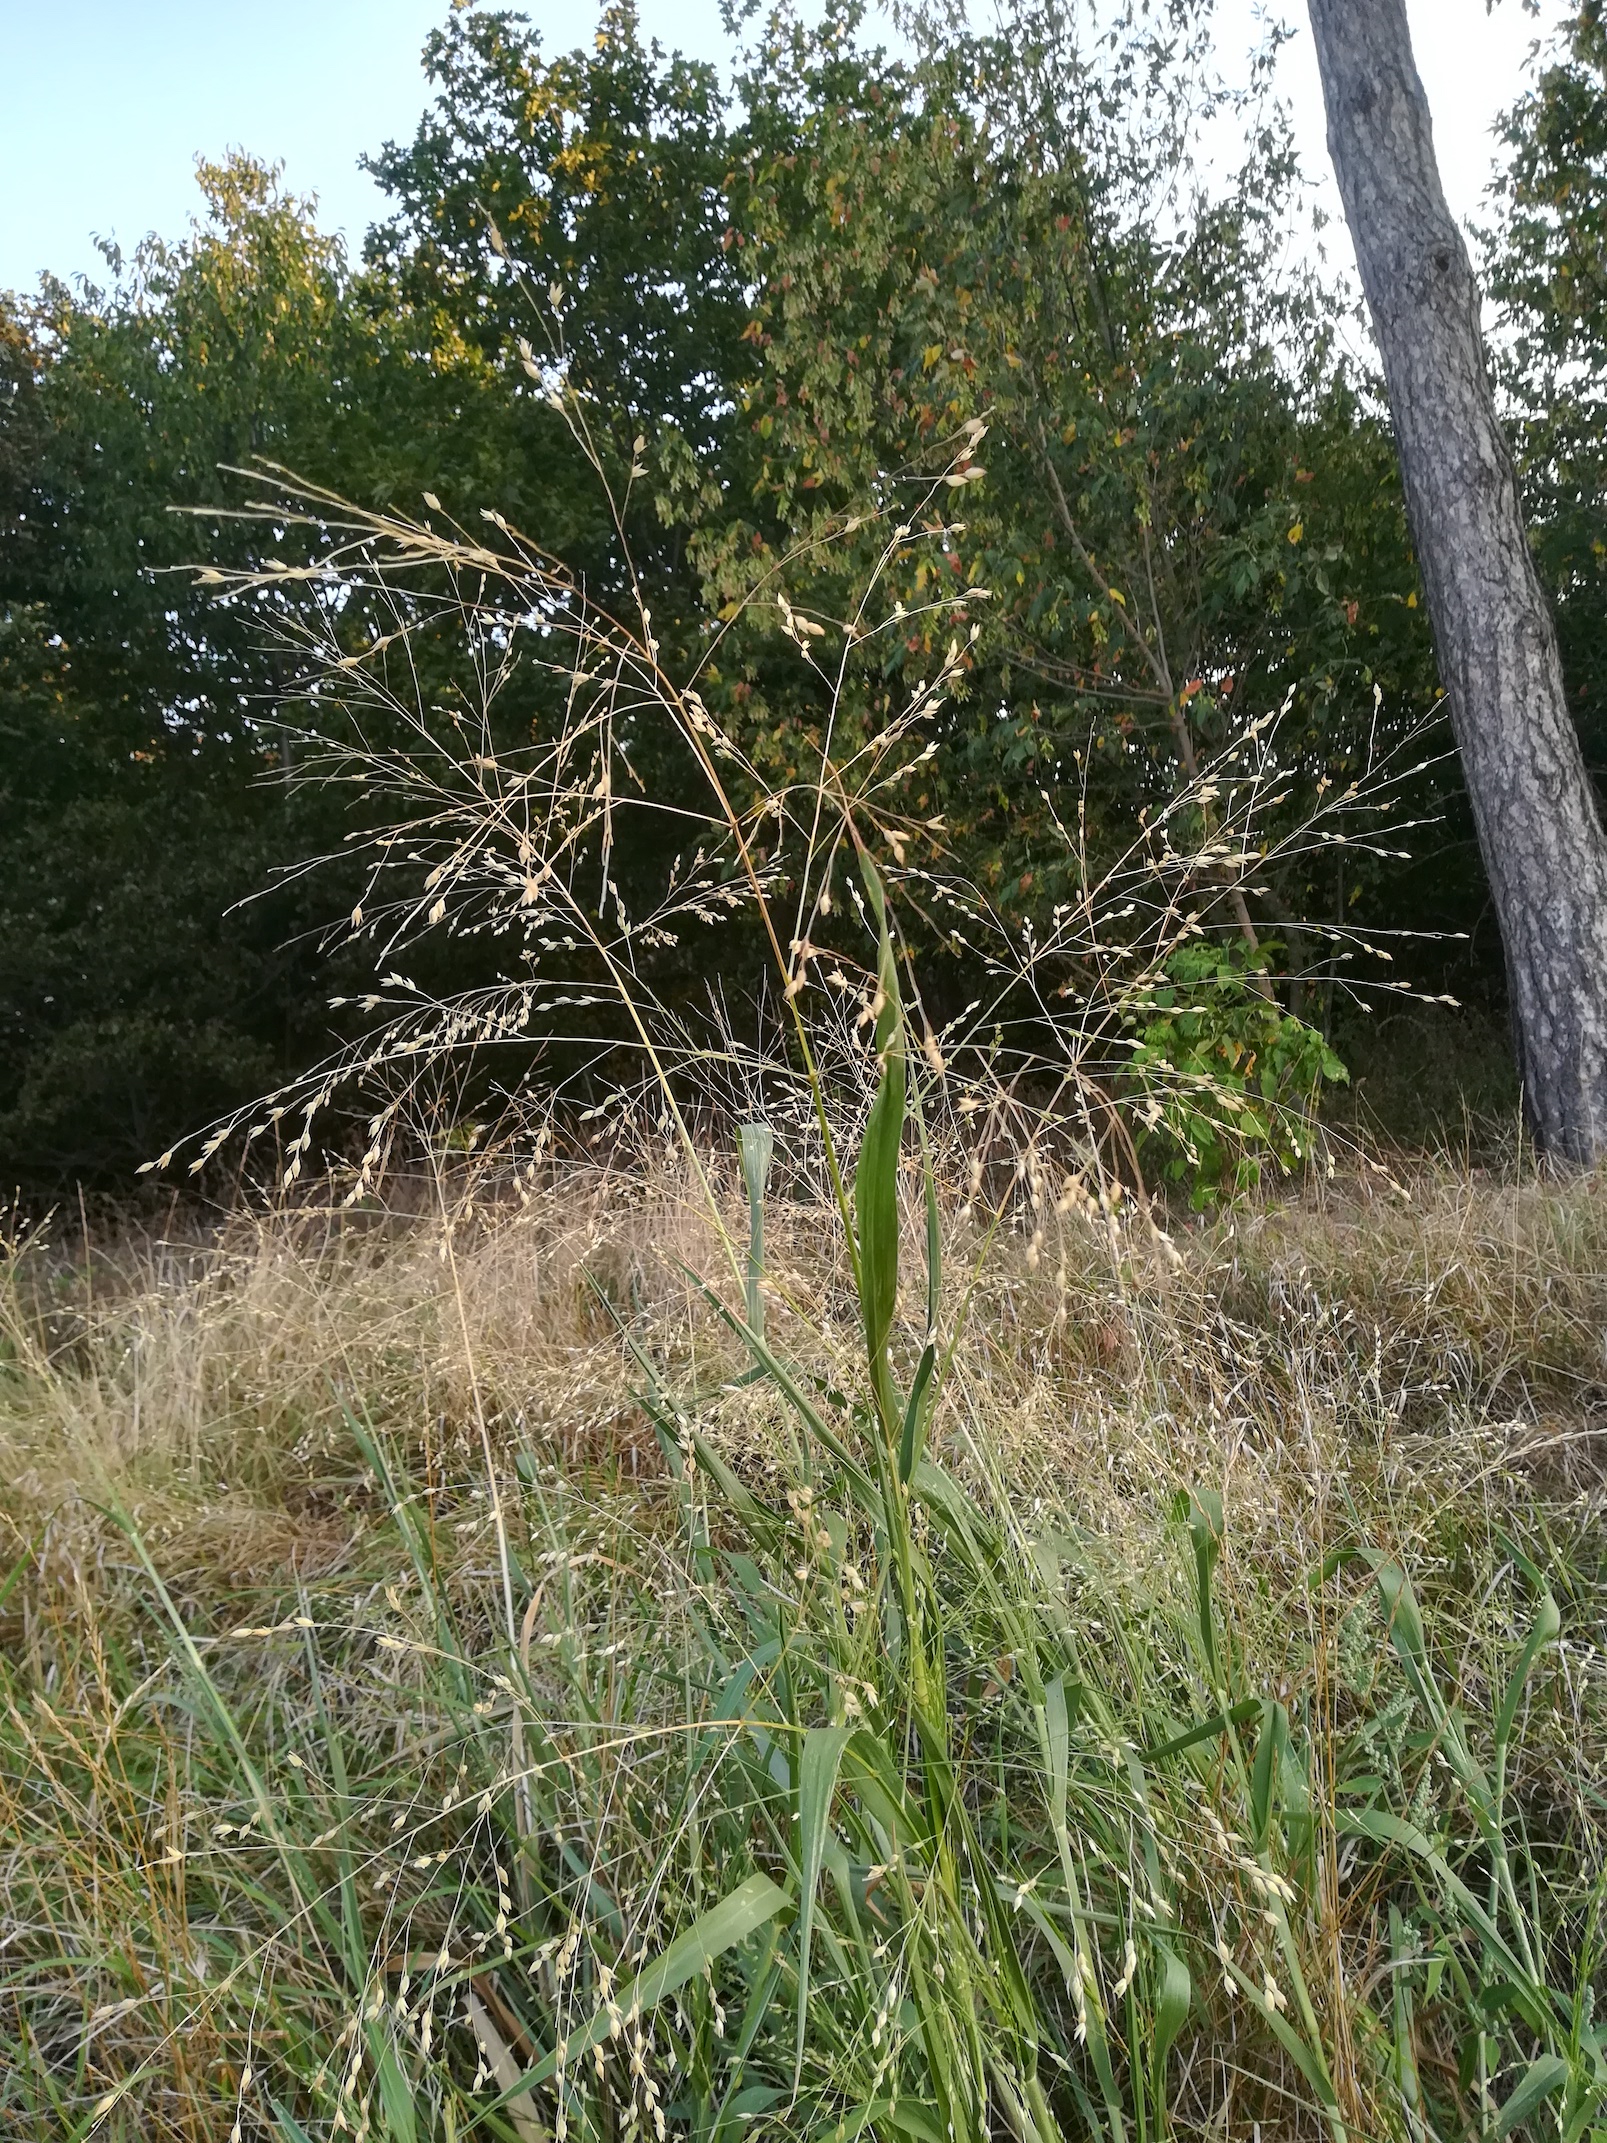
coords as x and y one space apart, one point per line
108 102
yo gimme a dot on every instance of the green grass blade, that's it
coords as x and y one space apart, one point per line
1057 1739
1546 1626
1383 1828
1407 2080
756 1145
1307 2059
1207 1526
1269 1748
721 1928
1239 1714
788 1386
395 2093
14 1575
914 1436
1541 2080
1404 1621
1172 2003
876 1175
818 1766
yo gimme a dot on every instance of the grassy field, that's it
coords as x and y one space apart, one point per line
459 1678
856 1625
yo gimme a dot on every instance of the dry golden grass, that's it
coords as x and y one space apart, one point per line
1422 1372
1332 1343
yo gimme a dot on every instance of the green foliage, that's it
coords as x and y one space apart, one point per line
798 305
133 1005
780 310
1181 507
586 188
135 813
148 796
1227 1079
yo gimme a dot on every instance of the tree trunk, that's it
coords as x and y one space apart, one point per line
1533 804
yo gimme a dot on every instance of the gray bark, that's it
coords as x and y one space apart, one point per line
1533 804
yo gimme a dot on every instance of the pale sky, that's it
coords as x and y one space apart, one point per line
108 102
